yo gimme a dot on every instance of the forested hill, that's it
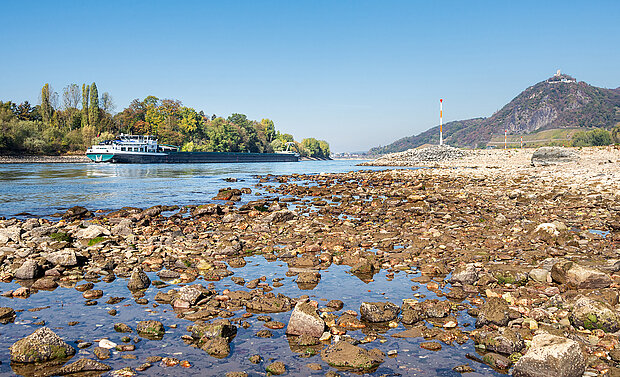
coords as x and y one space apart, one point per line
558 102
81 118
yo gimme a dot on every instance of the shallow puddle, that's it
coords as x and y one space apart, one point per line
65 305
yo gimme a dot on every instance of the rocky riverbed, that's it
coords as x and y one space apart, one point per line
487 270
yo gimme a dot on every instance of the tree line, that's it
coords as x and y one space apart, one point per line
79 118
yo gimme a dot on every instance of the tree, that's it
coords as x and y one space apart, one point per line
107 104
93 107
268 129
71 96
85 96
615 134
46 106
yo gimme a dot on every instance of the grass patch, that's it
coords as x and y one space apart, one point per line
61 236
95 240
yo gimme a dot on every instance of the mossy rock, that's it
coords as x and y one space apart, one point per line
150 329
42 345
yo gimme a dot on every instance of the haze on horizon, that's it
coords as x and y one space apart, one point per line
355 73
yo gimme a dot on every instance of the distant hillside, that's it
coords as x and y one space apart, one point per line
559 102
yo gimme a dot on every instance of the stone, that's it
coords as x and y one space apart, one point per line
378 311
586 278
45 284
540 275
217 347
102 353
138 280
76 212
83 365
545 156
280 216
592 314
551 355
191 293
466 274
345 355
64 258
505 340
305 320
220 328
41 345
6 315
431 346
150 329
494 311
496 360
92 231
121 327
12 233
28 270
335 304
276 368
311 277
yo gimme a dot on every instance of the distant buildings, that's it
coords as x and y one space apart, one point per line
559 77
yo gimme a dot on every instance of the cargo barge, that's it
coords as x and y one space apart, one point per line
144 149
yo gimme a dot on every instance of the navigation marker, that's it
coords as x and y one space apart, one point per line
441 121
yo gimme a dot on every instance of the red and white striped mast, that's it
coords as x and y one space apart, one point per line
441 121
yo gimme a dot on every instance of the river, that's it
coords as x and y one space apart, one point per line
44 189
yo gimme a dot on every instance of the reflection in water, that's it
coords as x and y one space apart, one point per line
44 189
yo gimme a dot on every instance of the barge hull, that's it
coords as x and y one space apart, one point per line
203 157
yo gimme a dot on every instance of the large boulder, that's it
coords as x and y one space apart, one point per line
41 345
378 311
592 314
551 355
305 321
344 355
138 280
553 155
28 270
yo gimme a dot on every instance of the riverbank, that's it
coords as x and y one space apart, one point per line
471 267
43 159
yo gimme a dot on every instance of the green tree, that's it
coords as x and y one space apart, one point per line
268 129
46 106
93 107
615 134
85 97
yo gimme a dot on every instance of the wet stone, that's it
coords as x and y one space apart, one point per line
276 368
41 345
101 353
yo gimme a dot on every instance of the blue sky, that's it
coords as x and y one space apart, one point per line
355 73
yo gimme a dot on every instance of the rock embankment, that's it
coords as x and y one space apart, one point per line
419 157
